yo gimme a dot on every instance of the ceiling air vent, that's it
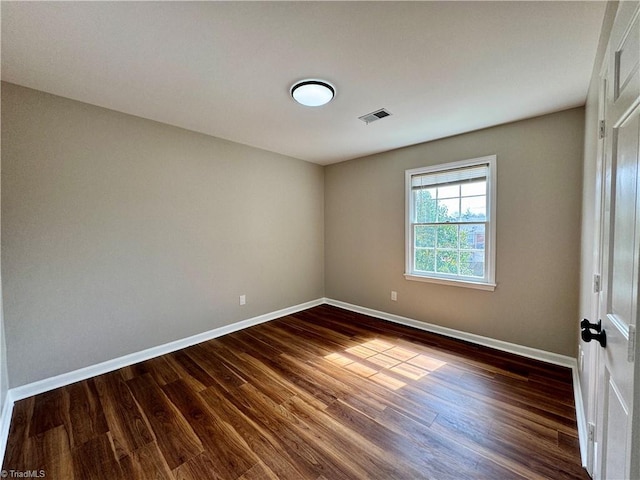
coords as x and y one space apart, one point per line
373 116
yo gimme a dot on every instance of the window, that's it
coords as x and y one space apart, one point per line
450 223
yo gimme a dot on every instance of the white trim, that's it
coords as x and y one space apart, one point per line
41 386
454 283
5 422
581 417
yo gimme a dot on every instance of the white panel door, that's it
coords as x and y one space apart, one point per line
620 249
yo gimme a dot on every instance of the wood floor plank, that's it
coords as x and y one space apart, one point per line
84 418
191 371
232 457
259 472
18 433
310 455
176 440
249 367
161 370
128 427
262 441
283 369
95 460
50 453
433 456
221 373
47 411
198 468
146 463
358 448
322 394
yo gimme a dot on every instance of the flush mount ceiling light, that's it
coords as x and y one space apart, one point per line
312 93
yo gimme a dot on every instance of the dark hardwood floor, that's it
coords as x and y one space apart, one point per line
323 394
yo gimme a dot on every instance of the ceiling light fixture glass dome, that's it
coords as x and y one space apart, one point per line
312 93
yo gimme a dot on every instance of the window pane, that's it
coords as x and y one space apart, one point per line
472 263
472 237
424 205
447 261
450 191
474 208
449 210
425 259
447 236
425 236
474 188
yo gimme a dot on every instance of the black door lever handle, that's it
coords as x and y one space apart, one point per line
595 326
601 337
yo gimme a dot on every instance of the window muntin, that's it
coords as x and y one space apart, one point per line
450 231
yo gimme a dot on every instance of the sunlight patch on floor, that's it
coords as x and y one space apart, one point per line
361 369
383 359
387 381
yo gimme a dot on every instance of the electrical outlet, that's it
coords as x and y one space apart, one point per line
394 296
243 299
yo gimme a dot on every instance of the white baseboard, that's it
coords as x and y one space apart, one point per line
41 386
581 417
533 353
5 422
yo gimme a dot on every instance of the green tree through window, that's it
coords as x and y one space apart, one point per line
446 248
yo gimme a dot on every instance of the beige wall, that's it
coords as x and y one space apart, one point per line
120 234
538 234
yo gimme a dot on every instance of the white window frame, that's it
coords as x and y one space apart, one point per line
486 283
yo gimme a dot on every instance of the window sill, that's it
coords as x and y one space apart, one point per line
454 283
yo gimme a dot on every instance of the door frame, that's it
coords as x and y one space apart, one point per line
626 12
594 380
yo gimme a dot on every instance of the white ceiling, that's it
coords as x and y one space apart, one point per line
225 68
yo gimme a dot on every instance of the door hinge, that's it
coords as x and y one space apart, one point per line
596 282
631 346
592 447
602 129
